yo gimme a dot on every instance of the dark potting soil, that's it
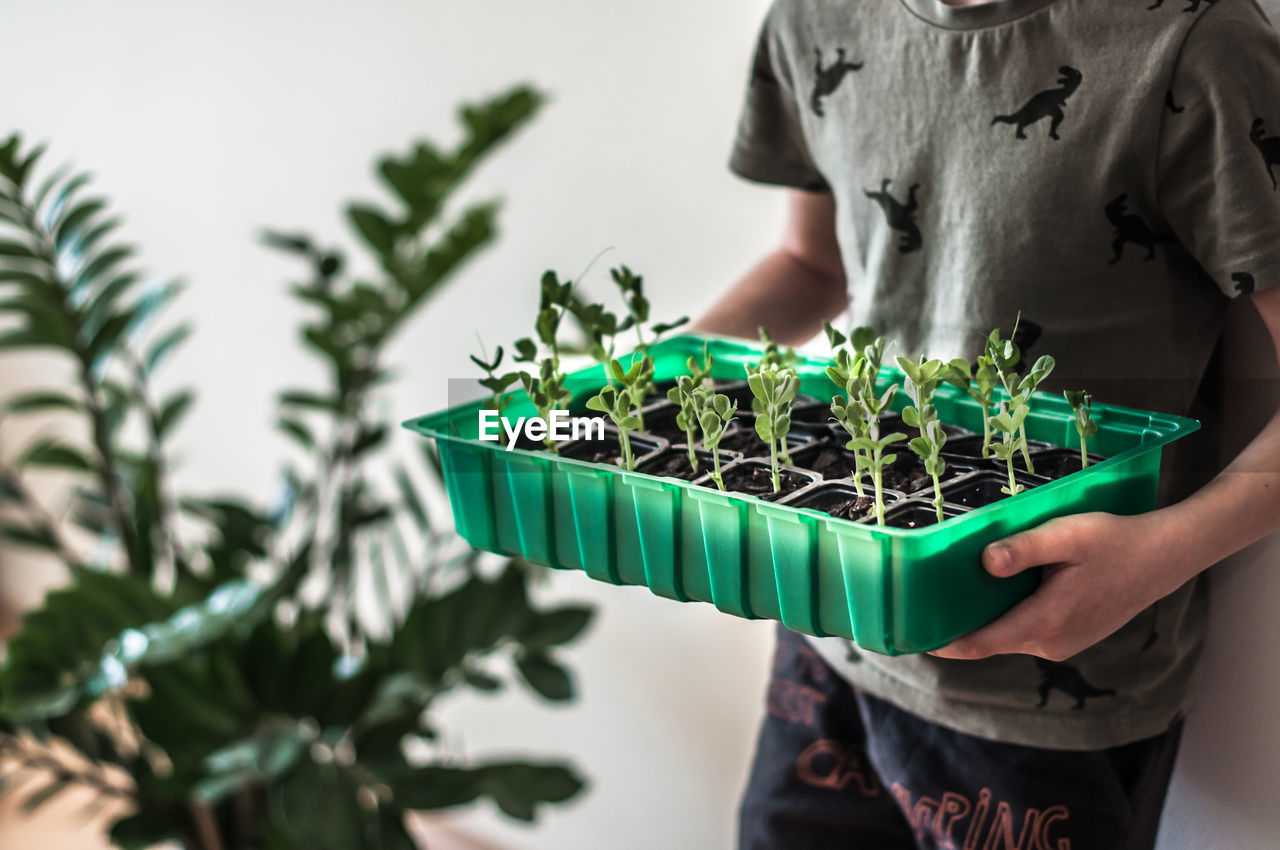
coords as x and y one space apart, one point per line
907 473
662 423
674 463
855 508
1033 446
758 481
832 461
1059 464
606 451
743 439
915 516
984 489
965 446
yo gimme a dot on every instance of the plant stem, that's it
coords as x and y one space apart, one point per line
1013 483
625 440
715 460
1084 454
165 504
1026 456
876 477
986 431
101 433
773 465
693 455
937 496
43 520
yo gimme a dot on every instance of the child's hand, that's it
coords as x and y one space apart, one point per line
1100 570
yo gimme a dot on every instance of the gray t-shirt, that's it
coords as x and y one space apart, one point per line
1106 168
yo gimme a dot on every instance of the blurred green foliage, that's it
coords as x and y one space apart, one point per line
212 661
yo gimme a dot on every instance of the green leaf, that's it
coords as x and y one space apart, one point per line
42 401
517 789
291 243
409 498
556 627
71 223
296 429
172 412
311 401
38 538
437 787
262 758
481 680
54 455
144 830
165 346
105 342
545 676
103 263
376 229
20 250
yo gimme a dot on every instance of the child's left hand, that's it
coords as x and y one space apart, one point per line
1100 570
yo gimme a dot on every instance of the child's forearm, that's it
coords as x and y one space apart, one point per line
1238 507
789 297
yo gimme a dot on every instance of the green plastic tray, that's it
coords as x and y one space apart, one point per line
892 591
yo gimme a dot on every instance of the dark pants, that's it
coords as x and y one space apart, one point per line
837 768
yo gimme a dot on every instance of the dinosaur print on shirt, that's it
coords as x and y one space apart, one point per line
900 217
1244 283
1268 146
1046 104
827 80
1065 678
1131 228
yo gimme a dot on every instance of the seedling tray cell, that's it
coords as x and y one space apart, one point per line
891 590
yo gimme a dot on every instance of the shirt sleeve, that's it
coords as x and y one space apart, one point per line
1219 155
770 145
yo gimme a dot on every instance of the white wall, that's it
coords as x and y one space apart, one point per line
205 121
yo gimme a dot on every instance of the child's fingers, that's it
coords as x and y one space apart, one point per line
1055 542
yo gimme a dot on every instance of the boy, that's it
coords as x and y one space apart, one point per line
1108 170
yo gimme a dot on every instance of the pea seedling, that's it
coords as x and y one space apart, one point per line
601 328
618 403
701 372
873 458
634 380
774 390
546 388
1081 402
849 362
979 380
631 286
775 355
682 394
495 383
846 371
923 380
1005 354
715 412
1009 423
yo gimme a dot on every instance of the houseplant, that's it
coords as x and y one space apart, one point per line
211 664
